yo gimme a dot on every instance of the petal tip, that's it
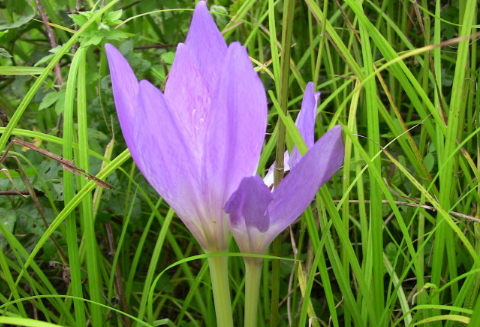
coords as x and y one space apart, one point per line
112 51
337 129
146 86
201 4
310 86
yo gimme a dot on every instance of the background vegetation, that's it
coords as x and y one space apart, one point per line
393 240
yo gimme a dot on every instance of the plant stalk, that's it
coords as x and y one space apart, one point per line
221 290
287 28
253 267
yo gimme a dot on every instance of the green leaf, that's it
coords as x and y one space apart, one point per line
53 52
78 19
168 57
94 40
20 12
4 53
429 161
222 18
51 98
114 17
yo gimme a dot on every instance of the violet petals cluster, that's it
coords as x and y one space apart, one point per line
199 142
258 215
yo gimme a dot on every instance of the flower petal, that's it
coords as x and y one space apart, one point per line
306 126
306 121
236 128
247 208
296 191
248 204
125 89
155 142
207 45
164 158
188 97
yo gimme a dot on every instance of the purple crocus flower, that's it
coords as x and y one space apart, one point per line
258 215
196 141
306 126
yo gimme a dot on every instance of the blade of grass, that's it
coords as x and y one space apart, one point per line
69 192
88 220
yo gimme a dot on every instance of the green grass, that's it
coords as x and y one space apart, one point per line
392 240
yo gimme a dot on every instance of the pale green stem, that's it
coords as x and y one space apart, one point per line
221 290
253 268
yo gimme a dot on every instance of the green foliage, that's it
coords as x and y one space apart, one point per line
16 14
394 240
98 32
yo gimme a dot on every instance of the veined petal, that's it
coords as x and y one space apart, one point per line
162 155
306 121
248 212
154 140
207 45
125 89
188 98
296 191
236 128
248 204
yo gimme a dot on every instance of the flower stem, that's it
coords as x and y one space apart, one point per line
287 28
221 290
253 267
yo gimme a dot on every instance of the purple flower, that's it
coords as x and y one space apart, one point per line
258 215
196 141
306 126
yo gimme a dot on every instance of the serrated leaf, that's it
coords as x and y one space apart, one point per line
95 39
51 98
114 16
78 19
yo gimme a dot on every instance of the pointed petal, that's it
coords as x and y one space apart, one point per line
188 97
207 45
299 187
125 89
236 127
308 113
306 121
